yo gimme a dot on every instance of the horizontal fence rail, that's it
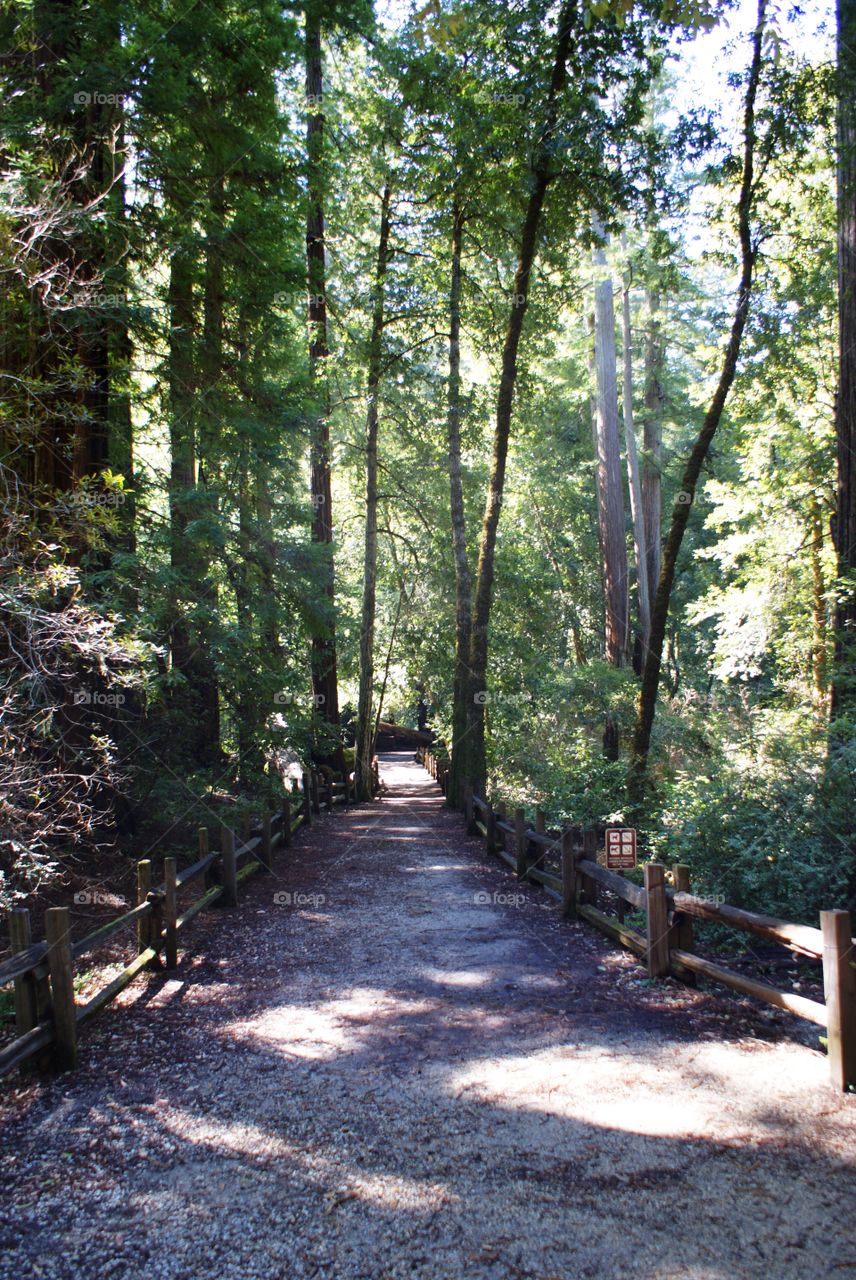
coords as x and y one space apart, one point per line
47 1015
565 864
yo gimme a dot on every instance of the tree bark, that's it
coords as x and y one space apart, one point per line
186 561
325 685
844 528
365 719
647 704
459 771
539 181
819 648
652 441
633 479
610 498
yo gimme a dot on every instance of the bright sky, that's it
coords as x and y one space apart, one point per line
706 60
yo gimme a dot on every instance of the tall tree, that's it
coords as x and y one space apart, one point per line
844 678
325 685
463 577
610 494
647 704
634 482
539 180
366 719
652 440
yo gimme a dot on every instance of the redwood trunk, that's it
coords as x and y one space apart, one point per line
325 686
365 713
463 582
844 678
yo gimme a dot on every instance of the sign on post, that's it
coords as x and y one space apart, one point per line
620 849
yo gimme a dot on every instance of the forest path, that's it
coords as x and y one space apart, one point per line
426 1074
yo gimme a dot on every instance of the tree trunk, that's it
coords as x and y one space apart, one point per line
188 565
651 675
538 182
844 677
652 441
819 648
325 686
365 719
634 483
121 355
610 497
459 771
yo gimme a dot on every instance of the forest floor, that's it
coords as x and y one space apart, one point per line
414 1068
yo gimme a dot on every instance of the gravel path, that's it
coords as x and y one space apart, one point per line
414 1069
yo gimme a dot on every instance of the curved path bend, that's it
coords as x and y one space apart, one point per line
392 1061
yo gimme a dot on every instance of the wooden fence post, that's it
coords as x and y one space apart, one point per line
490 827
155 901
246 826
839 990
589 886
540 821
204 850
469 808
658 920
144 884
170 913
60 966
328 791
307 805
683 934
521 843
230 867
26 996
313 789
286 819
569 875
266 848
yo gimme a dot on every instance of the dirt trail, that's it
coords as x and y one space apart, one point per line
393 1061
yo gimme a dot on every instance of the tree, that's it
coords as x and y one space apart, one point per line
844 677
325 685
542 171
634 482
680 514
366 718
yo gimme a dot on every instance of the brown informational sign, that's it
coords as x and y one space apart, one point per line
620 849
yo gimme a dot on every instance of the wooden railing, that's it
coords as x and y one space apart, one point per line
47 1016
565 864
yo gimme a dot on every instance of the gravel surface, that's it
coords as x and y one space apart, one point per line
393 1061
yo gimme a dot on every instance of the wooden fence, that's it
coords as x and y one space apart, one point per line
47 1016
565 864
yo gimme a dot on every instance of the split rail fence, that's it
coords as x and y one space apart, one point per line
47 1015
565 864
